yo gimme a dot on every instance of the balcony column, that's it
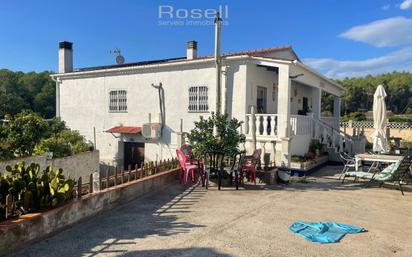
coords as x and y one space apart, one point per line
284 102
336 109
316 102
283 125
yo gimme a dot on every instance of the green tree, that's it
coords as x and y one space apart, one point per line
6 151
228 136
19 91
359 94
25 130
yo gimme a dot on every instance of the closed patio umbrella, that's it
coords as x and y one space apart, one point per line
380 143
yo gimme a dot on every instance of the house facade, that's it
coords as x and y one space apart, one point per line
109 105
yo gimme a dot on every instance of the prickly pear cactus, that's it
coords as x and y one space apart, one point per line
34 189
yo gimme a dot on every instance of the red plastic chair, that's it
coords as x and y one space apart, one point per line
187 151
186 168
249 164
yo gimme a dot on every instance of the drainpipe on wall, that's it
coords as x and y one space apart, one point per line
218 25
57 96
224 86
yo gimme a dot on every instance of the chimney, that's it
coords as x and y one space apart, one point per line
65 57
191 52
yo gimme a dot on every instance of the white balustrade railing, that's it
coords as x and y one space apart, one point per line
301 125
332 137
266 124
331 121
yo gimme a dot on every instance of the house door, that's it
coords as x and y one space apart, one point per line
133 154
305 105
261 99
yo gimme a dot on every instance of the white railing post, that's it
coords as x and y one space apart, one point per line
265 125
258 124
340 143
272 125
247 124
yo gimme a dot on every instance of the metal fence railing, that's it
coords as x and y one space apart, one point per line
369 124
93 183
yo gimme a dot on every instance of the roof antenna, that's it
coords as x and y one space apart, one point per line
119 57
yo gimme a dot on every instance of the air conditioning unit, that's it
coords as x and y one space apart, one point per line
152 130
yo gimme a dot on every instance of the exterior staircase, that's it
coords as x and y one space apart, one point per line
336 140
325 130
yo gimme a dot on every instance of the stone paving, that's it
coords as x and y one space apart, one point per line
249 222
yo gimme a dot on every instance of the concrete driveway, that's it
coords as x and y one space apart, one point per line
249 222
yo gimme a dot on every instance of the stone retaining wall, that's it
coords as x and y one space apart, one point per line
18 233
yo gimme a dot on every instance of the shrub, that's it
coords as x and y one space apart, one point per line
355 116
28 133
24 131
310 155
315 145
298 158
6 151
54 144
64 144
56 126
400 118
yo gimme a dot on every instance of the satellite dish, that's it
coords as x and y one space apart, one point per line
119 59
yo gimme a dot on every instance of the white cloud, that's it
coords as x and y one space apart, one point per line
406 4
400 60
382 33
386 7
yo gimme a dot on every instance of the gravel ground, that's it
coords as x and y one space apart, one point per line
249 222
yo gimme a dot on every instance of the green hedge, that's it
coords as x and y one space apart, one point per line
401 118
355 116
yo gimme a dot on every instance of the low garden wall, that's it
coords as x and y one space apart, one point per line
394 129
18 233
75 166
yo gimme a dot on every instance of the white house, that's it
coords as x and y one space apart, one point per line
110 104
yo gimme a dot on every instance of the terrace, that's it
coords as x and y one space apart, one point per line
252 221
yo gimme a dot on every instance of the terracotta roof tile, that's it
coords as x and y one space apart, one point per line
259 51
253 52
125 130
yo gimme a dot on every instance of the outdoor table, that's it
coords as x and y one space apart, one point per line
236 166
376 158
215 165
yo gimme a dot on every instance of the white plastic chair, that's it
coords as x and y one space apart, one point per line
348 163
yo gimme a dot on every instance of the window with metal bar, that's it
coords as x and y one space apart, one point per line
198 99
118 101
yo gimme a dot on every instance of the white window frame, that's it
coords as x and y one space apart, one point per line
118 100
198 99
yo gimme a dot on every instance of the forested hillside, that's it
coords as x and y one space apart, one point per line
19 91
359 95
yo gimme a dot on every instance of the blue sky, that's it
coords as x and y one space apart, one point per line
338 38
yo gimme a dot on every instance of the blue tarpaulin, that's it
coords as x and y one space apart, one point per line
323 232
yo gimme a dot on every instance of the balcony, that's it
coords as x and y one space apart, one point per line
267 126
